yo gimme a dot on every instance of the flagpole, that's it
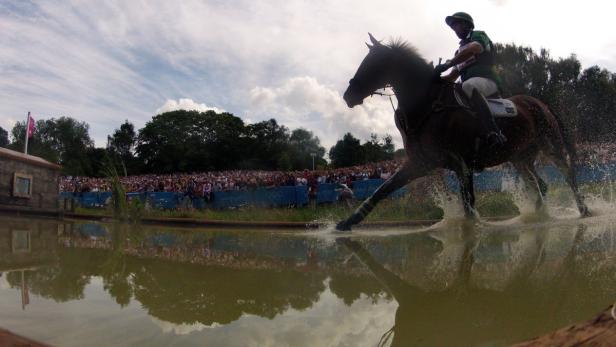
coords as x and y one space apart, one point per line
27 127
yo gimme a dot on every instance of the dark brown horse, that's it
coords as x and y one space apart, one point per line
439 133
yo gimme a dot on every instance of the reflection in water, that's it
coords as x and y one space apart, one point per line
468 284
507 286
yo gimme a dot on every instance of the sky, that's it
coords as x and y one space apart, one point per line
104 62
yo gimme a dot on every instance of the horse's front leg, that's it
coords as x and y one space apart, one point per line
406 173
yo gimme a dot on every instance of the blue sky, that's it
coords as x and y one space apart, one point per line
106 61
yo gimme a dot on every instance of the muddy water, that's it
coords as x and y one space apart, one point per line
76 284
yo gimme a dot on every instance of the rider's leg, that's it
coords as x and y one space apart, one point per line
475 88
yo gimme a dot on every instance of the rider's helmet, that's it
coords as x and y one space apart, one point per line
460 16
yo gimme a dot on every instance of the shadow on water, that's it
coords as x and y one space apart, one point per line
458 283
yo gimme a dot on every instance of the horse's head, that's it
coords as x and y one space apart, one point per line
373 73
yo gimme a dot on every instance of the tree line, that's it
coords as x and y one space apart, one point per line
191 141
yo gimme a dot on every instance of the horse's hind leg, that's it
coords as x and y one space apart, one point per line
406 173
563 152
568 170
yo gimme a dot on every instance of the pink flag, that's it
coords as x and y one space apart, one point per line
30 126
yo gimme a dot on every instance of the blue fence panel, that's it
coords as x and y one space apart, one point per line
89 199
301 195
199 203
489 181
230 199
279 196
163 200
103 198
326 192
365 188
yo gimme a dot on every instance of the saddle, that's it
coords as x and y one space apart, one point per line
500 108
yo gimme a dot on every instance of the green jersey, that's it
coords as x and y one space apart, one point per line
482 64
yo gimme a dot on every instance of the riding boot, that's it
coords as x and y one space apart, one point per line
492 135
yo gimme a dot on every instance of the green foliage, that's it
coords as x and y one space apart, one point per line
4 137
349 152
266 142
585 100
346 152
118 204
182 141
303 145
121 146
63 140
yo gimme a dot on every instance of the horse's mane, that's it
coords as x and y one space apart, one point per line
407 52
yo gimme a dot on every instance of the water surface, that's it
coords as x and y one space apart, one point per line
76 283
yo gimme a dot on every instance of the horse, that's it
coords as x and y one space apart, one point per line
438 132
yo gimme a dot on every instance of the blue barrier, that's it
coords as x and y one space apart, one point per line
267 197
363 189
163 200
327 192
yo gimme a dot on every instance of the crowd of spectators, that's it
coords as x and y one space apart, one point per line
596 153
203 184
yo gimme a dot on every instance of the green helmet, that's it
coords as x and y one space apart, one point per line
460 16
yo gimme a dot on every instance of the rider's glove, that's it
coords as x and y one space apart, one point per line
440 68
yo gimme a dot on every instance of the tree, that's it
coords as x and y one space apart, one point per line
376 149
302 145
121 145
186 141
346 152
597 88
4 137
267 141
63 140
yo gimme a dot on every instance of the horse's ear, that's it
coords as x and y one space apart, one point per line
374 41
369 47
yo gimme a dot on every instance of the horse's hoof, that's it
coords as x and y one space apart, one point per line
343 226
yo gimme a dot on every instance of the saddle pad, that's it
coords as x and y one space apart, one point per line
502 108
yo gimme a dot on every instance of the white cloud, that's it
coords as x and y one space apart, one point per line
186 104
304 102
122 59
181 329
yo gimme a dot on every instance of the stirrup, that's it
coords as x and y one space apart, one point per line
495 139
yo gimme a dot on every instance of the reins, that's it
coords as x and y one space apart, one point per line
388 95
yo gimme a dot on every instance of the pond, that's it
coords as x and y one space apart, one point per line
84 283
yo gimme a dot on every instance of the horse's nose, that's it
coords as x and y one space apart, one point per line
351 99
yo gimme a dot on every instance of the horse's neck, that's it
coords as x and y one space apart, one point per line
412 99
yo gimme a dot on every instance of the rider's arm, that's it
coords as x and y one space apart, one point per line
467 52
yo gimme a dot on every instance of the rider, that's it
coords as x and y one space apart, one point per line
474 64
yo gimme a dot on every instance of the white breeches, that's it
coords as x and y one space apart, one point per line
483 85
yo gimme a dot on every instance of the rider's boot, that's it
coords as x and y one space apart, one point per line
492 136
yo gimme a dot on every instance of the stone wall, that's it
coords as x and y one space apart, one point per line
44 184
